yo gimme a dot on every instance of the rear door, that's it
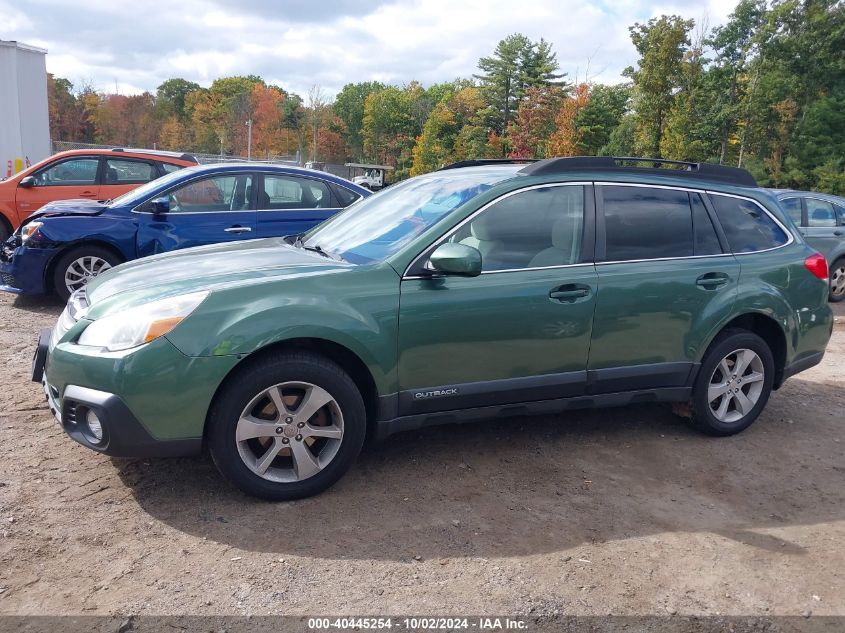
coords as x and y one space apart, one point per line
665 275
73 177
204 211
290 204
124 174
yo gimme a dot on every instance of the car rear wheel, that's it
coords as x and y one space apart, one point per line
837 281
286 427
76 267
733 383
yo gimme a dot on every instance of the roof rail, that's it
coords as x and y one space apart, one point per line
476 162
683 169
157 152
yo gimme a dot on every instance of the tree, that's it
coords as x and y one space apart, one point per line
171 94
566 139
349 106
661 43
390 126
439 139
516 64
535 121
317 103
600 117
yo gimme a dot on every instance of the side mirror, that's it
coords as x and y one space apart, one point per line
27 182
160 206
455 259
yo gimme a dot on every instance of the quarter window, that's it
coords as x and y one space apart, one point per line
820 213
170 167
535 228
747 226
120 171
792 206
290 192
220 193
647 223
76 171
344 196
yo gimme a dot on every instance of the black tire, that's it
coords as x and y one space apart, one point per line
263 374
703 416
838 269
67 259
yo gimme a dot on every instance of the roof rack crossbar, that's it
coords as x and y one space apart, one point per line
702 171
476 162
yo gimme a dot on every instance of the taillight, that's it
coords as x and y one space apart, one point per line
817 265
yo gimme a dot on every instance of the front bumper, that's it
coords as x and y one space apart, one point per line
23 270
151 401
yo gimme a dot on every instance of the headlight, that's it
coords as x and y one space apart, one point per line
140 325
29 230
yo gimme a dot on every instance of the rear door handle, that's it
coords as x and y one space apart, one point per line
87 194
238 229
712 281
569 293
837 233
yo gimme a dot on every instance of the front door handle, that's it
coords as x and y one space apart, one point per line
837 233
712 281
87 194
238 229
569 293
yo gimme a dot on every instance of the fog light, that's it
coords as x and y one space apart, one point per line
94 426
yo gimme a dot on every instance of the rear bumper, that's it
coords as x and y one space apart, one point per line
802 364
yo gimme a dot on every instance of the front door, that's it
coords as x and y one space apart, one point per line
66 179
204 211
290 205
665 277
518 332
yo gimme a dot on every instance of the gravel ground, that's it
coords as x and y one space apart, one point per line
623 511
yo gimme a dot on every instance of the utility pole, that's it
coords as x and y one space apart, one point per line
249 139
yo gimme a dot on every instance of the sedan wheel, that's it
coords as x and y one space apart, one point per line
82 269
289 432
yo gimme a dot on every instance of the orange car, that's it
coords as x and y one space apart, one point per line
98 174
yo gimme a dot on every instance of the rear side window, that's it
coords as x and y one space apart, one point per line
706 240
820 213
746 225
647 223
124 171
344 196
170 167
792 206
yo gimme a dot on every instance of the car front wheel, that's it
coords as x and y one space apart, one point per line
78 266
287 426
733 383
837 280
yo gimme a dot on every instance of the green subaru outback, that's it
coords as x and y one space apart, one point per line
484 289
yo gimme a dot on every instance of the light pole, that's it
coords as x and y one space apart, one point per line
249 139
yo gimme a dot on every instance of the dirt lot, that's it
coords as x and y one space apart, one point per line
622 511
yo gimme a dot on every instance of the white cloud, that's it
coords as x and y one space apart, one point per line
301 42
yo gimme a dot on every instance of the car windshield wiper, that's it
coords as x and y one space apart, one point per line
316 248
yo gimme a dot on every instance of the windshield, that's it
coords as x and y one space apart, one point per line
132 198
376 227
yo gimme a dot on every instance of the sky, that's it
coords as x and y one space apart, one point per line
296 44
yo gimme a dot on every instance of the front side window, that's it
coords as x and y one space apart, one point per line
536 228
646 223
820 213
291 192
382 224
219 193
747 226
76 171
124 171
792 206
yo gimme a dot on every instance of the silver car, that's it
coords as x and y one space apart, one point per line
821 219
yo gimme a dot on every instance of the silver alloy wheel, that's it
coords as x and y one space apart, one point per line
736 385
837 281
83 269
289 432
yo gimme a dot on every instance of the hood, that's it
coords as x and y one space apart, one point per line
81 206
210 267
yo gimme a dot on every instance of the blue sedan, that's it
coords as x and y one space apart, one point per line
64 244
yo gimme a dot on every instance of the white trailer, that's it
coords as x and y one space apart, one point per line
24 121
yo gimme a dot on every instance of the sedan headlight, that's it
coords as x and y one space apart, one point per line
140 325
29 230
